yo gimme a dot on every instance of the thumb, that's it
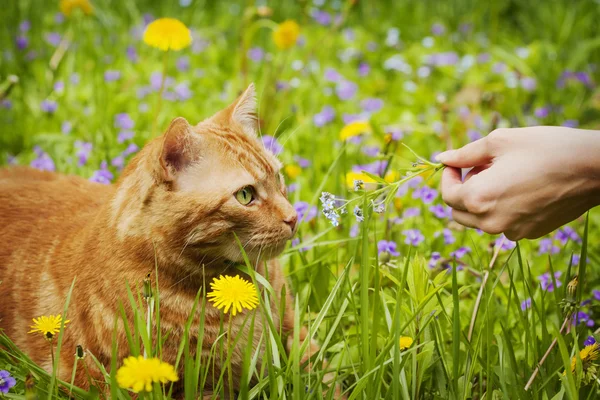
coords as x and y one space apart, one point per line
473 154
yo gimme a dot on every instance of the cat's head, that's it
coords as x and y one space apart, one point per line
196 188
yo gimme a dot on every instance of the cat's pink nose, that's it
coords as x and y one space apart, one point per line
291 220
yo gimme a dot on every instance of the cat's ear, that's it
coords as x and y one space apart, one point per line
179 149
242 111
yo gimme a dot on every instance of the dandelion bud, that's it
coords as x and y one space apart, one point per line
147 293
384 257
572 286
79 353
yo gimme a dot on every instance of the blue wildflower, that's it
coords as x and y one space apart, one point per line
103 175
6 381
414 237
387 247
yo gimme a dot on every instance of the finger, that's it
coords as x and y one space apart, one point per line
474 171
451 188
473 154
467 219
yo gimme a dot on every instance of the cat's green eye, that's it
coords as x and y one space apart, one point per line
245 195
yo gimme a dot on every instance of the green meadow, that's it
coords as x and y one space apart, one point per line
404 302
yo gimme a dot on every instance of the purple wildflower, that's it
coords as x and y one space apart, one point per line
589 341
541 112
363 69
132 54
84 149
371 105
25 25
6 381
583 318
6 104
596 294
124 136
183 63
346 90
103 175
22 42
331 75
473 135
124 121
443 59
546 281
460 252
256 54
506 243
156 80
371 151
438 29
528 83
112 75
183 91
395 133
302 162
132 148
324 117
43 161
433 260
440 211
526 304
426 194
292 187
565 234
52 38
118 162
414 237
272 144
388 247
448 236
321 17
548 247
305 211
570 123
48 106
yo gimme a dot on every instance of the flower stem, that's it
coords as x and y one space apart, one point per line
160 93
73 375
229 369
537 369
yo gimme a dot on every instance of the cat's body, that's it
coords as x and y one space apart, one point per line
172 205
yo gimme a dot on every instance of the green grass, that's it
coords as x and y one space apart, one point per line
472 339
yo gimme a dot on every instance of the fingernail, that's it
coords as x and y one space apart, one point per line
442 157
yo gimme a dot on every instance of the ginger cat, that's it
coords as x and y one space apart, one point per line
178 199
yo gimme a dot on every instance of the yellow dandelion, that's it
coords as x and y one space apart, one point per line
233 292
167 34
138 373
293 171
286 34
67 6
354 129
47 325
405 342
587 354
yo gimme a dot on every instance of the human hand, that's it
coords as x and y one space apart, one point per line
525 182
